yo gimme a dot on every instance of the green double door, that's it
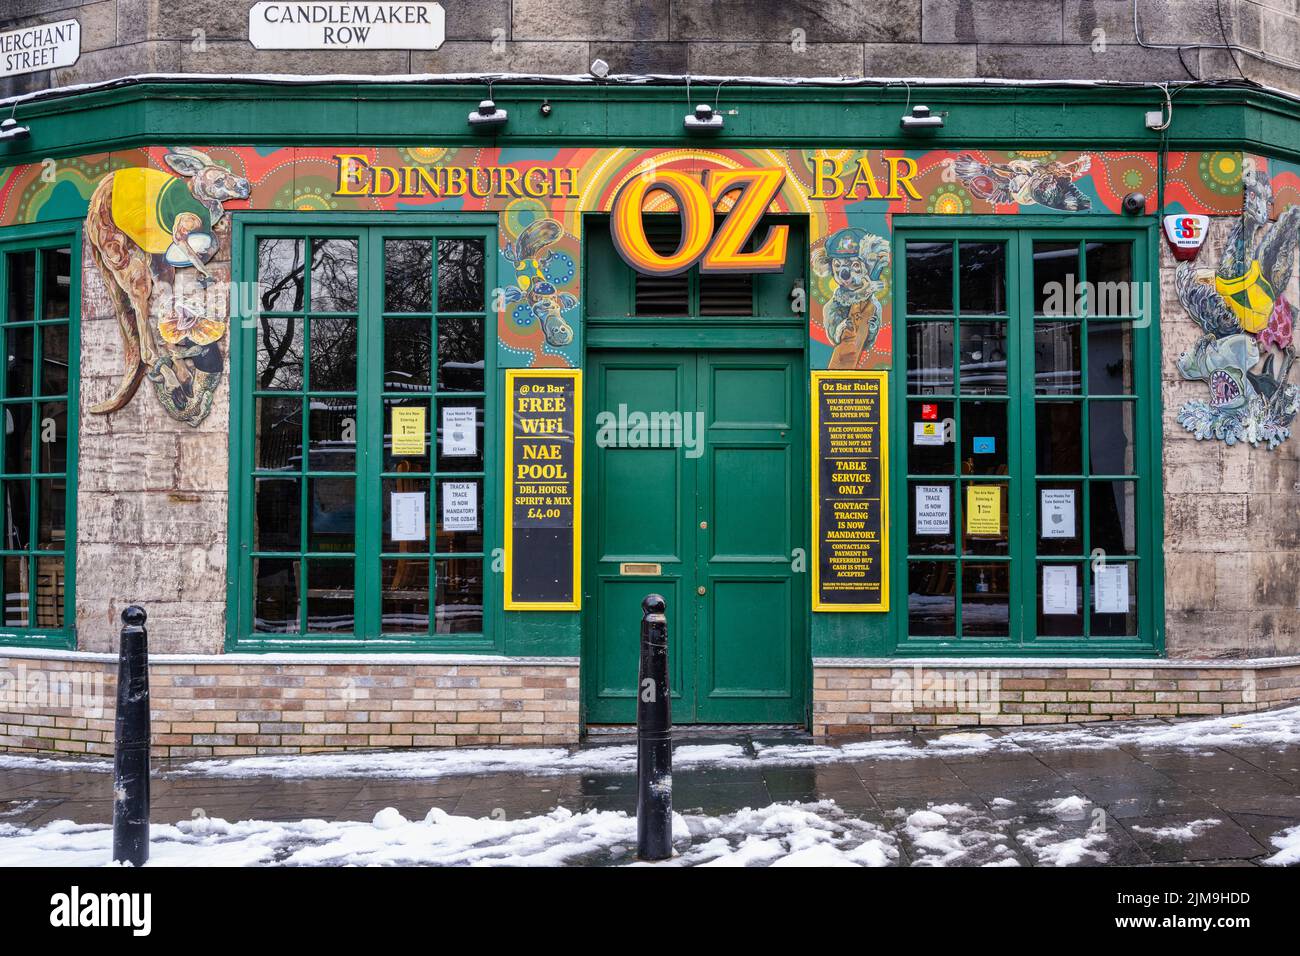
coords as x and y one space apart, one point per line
695 489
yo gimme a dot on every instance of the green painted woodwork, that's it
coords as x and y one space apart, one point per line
368 549
722 521
37 404
1039 116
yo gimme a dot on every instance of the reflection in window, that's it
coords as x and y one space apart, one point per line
461 275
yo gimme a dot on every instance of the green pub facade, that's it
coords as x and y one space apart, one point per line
391 418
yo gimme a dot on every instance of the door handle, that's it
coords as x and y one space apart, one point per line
704 526
700 590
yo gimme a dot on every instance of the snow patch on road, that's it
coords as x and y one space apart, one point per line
1288 846
1184 833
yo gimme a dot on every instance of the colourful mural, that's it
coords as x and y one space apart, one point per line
848 196
1247 351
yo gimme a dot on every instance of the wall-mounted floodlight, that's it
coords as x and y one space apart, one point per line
704 118
487 114
10 130
921 118
599 68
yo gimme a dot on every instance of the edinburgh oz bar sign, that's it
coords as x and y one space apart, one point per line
334 25
850 471
543 462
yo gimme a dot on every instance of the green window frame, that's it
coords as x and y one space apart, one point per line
393 598
40 293
1048 419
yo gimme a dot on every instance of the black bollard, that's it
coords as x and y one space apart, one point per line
131 747
654 740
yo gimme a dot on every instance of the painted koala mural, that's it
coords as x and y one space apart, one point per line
1248 349
855 262
144 227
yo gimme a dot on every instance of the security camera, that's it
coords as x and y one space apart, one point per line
1135 203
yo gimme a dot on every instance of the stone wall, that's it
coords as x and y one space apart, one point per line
236 706
1232 525
1036 39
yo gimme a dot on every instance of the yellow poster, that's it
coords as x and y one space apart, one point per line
983 509
408 431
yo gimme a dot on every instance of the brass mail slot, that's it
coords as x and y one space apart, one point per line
633 567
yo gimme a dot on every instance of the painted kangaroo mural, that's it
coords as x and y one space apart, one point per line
143 223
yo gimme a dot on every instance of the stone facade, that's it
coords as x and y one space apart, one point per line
234 705
859 697
1024 39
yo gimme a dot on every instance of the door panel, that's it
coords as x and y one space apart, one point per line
723 518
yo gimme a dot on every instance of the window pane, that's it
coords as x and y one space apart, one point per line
54 360
408 354
986 518
50 587
22 286
276 516
16 591
57 284
408 530
18 381
1059 437
931 438
459 589
53 448
984 438
982 270
460 275
460 434
408 275
1111 437
279 434
405 596
983 354
1060 517
331 592
1058 368
459 516
931 518
1114 611
1110 279
931 598
279 354
18 440
51 532
929 358
1110 358
412 451
985 600
332 433
1056 278
17 514
334 275
279 275
1114 517
275 596
1060 600
929 278
460 355
333 355
333 503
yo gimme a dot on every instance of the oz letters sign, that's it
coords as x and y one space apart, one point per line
334 25
715 251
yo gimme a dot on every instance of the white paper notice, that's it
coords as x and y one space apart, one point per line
1058 512
407 516
459 506
933 509
459 431
1060 589
1110 589
927 433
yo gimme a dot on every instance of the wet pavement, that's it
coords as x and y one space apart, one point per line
1200 805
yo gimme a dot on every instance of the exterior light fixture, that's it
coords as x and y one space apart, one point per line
599 68
487 115
704 118
10 130
921 118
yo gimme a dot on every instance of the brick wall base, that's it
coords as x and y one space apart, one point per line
868 696
239 704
